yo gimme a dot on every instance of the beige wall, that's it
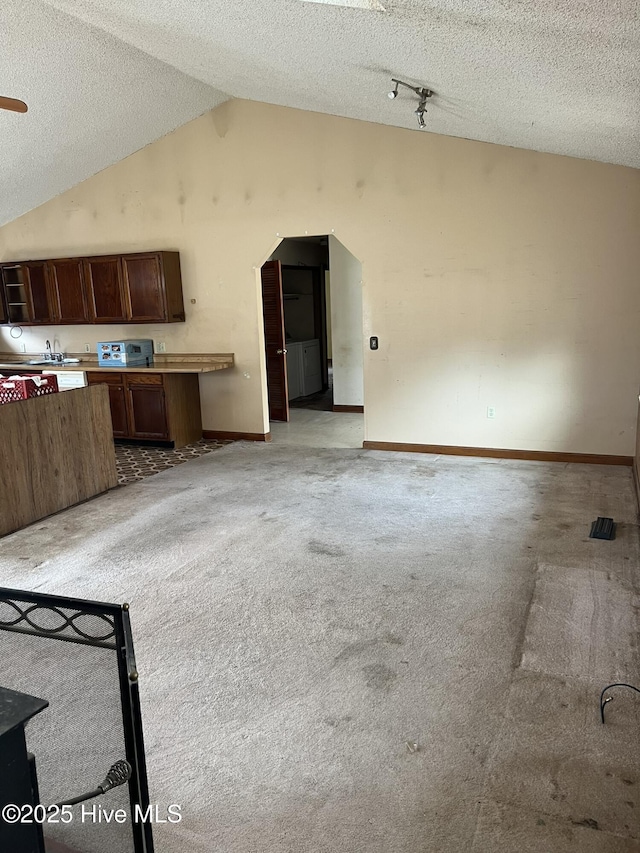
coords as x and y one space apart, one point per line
346 325
492 276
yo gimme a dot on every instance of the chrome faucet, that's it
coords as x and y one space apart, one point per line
51 355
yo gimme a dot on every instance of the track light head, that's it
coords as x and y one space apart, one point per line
423 94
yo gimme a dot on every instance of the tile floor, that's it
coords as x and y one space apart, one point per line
134 462
307 427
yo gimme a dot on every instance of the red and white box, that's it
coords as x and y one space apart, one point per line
16 388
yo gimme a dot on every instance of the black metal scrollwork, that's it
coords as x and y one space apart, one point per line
27 622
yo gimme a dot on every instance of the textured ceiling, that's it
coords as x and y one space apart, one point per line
92 101
562 77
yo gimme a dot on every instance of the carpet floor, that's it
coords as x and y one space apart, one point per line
349 650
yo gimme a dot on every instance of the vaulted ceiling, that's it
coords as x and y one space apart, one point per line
103 78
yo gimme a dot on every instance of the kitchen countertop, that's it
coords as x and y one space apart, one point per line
173 364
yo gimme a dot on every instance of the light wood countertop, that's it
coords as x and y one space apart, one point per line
164 363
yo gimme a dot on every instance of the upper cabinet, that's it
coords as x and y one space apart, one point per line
40 305
105 291
143 280
68 291
25 297
15 293
153 287
133 288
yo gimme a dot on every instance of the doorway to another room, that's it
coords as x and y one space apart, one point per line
312 308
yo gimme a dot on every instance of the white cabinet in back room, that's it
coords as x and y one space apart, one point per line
304 370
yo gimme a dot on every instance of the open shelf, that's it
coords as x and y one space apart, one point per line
13 276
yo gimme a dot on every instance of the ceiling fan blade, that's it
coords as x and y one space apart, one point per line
13 104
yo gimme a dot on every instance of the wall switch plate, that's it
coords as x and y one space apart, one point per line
491 412
23 347
373 342
87 347
160 346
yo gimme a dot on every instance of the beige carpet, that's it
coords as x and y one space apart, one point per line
344 650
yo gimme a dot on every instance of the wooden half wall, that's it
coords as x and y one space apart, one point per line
55 451
636 460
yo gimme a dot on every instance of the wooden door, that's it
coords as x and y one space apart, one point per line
40 307
105 291
274 340
144 288
68 290
147 406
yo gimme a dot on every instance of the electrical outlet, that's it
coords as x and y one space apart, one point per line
161 346
87 347
491 412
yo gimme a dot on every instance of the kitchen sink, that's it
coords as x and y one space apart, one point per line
50 363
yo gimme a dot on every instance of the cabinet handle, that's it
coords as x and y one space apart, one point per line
281 352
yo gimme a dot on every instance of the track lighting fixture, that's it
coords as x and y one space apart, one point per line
421 91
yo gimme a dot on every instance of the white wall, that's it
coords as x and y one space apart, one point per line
327 296
492 276
346 326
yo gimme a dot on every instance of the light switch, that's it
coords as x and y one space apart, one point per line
373 342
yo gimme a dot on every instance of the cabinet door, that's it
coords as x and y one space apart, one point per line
117 400
148 410
105 292
118 405
68 291
144 288
39 297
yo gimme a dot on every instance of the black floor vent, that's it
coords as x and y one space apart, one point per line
603 528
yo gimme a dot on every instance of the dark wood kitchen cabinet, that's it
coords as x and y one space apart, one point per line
68 292
143 277
117 400
144 287
153 406
38 294
105 289
147 405
25 293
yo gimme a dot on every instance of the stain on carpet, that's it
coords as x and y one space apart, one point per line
379 676
324 548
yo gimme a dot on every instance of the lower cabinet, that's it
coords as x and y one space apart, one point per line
153 406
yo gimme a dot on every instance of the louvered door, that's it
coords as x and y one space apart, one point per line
274 338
